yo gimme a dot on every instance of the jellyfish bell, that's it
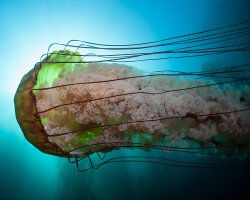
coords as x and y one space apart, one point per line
70 108
30 123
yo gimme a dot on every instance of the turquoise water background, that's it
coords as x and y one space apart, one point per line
27 28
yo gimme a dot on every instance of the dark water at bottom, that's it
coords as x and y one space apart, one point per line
27 173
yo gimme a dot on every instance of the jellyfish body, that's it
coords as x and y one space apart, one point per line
66 107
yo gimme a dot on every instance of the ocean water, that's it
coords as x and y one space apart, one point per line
27 28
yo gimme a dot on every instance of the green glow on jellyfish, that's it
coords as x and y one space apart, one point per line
62 115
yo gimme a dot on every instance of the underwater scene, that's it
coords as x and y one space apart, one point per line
125 99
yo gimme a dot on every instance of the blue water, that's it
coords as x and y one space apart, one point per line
27 28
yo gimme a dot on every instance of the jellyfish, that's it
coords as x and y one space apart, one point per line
69 107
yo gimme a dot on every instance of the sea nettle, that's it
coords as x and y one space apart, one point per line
71 108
